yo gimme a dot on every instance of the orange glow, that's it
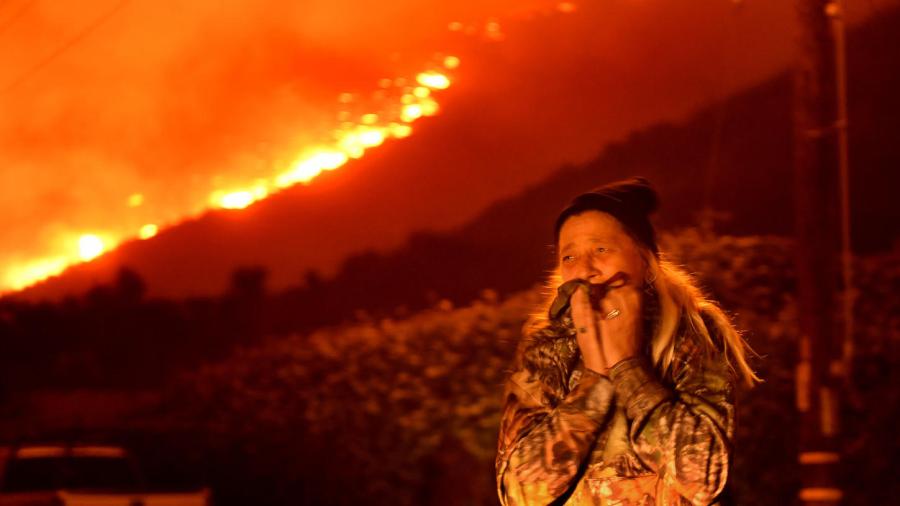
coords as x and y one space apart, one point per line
90 247
566 7
135 200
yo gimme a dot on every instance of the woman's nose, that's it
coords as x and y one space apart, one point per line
585 269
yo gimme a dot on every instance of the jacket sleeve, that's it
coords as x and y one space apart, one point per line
682 433
543 443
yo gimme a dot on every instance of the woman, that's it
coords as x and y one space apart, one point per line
623 393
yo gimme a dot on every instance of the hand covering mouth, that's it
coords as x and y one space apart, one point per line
596 292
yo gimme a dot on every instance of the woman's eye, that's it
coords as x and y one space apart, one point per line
568 258
601 249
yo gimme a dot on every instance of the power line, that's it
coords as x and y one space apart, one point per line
81 35
18 14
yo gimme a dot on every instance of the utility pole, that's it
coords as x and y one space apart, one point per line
822 238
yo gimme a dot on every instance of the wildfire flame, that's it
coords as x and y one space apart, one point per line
147 231
90 247
355 136
351 141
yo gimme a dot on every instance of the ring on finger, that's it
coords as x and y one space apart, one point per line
613 314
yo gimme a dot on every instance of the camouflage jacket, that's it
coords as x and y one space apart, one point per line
632 438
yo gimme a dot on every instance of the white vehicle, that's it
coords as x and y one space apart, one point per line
80 475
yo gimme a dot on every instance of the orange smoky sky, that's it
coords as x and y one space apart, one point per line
103 100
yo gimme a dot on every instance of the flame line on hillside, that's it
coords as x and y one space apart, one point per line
355 138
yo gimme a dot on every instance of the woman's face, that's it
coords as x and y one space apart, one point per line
594 246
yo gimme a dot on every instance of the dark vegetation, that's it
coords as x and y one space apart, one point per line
405 409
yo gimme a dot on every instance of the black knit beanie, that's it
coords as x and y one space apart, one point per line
631 201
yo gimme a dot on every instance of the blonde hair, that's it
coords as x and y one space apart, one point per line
681 306
682 301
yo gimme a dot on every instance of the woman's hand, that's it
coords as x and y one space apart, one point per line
605 342
621 334
587 329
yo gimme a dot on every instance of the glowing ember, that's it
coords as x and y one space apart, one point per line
433 80
90 247
451 62
411 112
147 231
